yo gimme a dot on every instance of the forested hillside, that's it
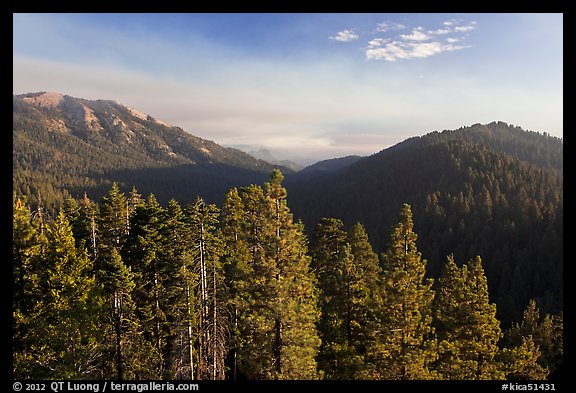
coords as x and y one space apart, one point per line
438 258
65 146
493 190
128 288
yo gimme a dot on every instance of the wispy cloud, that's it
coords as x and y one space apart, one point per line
440 31
466 28
383 27
417 35
398 50
345 36
420 43
453 40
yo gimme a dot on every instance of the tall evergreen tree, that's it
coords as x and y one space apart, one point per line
82 218
333 263
466 325
120 265
294 306
127 355
544 332
67 317
207 248
348 278
113 218
366 293
25 268
179 282
142 251
277 310
236 265
404 348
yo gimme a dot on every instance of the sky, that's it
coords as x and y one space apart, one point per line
304 86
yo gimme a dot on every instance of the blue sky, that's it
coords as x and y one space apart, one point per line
304 86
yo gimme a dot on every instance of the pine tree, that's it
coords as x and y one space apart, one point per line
333 263
82 218
521 362
366 293
295 309
67 317
113 219
25 267
128 355
179 281
142 251
348 278
203 221
466 325
543 332
404 344
235 262
276 311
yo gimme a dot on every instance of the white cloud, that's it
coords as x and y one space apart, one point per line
398 50
417 35
440 31
345 36
377 42
383 27
420 43
465 28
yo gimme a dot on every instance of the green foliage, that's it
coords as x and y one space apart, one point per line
544 333
58 154
521 362
405 342
466 325
273 291
348 279
492 190
129 289
64 323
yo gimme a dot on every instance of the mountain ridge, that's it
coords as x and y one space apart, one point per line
493 190
67 141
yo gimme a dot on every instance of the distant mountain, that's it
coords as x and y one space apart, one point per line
266 155
493 190
63 145
325 167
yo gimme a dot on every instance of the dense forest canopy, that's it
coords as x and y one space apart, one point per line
492 190
130 289
369 274
65 146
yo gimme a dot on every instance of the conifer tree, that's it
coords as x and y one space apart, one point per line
333 264
366 293
544 332
113 218
466 325
212 321
179 282
127 355
404 344
68 314
276 310
142 251
82 218
521 362
294 296
25 265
